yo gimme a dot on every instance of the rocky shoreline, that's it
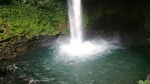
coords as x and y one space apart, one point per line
11 47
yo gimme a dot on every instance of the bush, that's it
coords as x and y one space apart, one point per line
33 17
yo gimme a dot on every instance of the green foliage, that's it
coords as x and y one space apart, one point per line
1 22
32 17
144 82
98 13
56 32
85 19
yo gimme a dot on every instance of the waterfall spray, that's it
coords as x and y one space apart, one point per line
77 47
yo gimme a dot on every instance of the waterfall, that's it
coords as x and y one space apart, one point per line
77 47
75 20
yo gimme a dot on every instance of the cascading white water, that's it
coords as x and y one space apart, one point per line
77 47
75 20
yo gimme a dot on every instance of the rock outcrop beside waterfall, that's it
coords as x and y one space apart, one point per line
14 46
127 19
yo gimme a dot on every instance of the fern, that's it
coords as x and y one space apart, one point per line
144 82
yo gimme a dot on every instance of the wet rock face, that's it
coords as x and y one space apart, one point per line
128 31
130 18
7 70
10 49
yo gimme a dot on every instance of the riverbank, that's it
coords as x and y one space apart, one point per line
14 46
